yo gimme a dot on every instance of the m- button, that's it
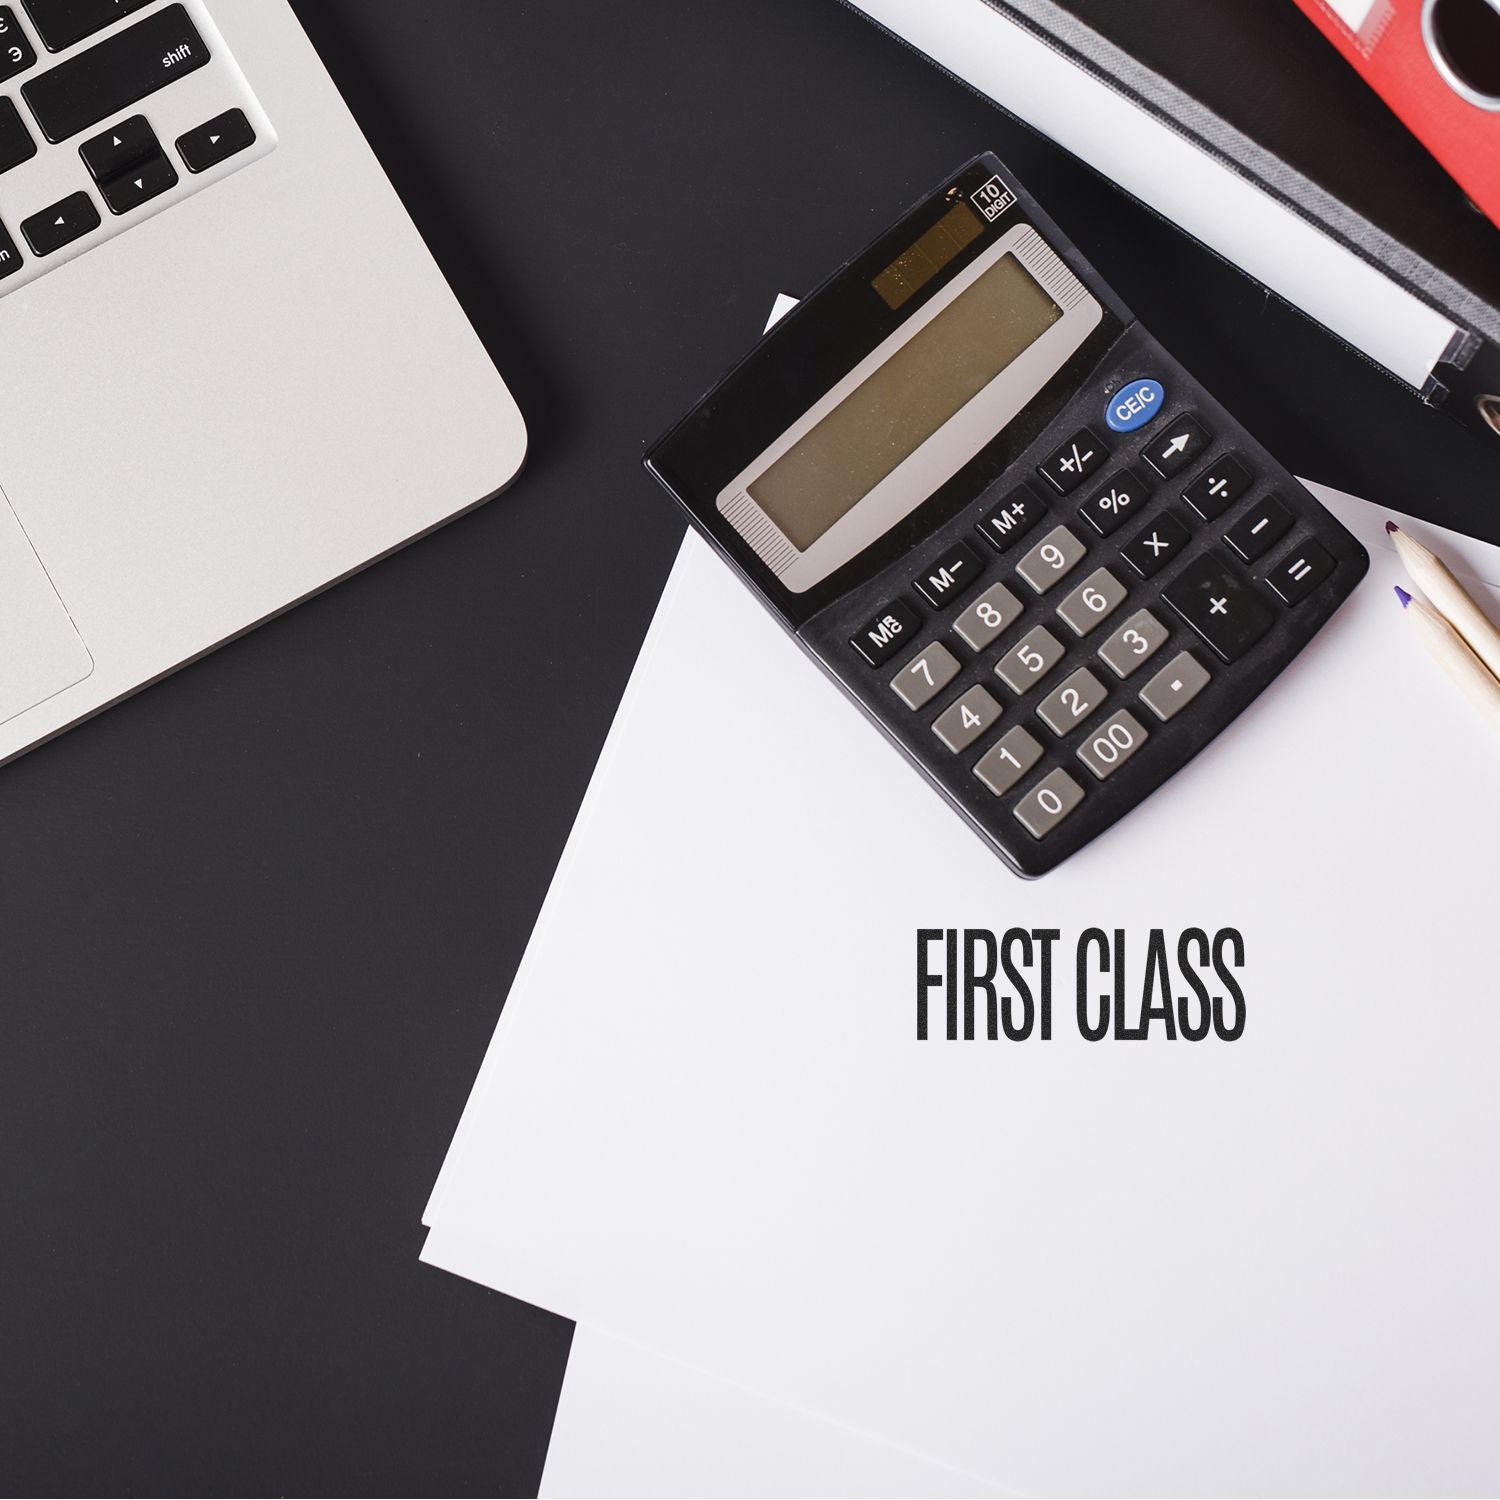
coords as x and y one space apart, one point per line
949 576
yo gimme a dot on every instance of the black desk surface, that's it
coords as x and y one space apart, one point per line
258 922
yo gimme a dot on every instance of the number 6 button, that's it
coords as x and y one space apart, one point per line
925 676
1092 602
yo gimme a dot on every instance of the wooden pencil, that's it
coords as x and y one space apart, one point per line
1449 597
1452 653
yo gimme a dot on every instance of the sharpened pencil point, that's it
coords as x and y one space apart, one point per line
1391 526
1403 596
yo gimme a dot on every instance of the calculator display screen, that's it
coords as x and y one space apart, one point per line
904 401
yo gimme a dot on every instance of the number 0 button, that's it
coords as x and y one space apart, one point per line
1048 803
925 676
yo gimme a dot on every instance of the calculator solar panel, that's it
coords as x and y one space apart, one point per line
1036 552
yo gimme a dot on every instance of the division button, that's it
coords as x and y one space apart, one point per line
1007 761
222 137
959 726
988 617
1214 491
112 151
1133 405
1067 707
1052 559
1107 748
1079 457
1259 529
1048 803
16 144
61 224
1300 572
1175 446
925 676
1175 686
1219 607
1117 502
1157 545
949 576
1092 602
1134 643
1009 521
1029 660
894 627
10 257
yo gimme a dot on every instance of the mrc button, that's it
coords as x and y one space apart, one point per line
1133 405
886 634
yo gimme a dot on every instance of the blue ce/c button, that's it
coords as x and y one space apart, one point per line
1134 405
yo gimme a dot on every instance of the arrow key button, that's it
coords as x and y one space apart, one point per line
108 154
1175 446
66 221
224 136
139 184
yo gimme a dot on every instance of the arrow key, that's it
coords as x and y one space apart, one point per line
1175 446
111 152
222 137
61 224
139 184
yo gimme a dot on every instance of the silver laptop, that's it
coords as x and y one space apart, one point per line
230 373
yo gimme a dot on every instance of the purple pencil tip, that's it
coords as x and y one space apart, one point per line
1391 526
1403 596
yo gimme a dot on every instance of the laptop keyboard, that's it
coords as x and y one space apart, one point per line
110 110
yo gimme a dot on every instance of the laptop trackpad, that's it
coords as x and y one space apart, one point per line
40 651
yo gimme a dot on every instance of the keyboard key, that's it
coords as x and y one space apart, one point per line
949 576
1214 491
140 183
1263 525
1175 446
224 136
886 634
1092 602
959 726
1219 607
119 148
1007 761
1048 803
116 73
1134 643
925 676
988 617
1067 708
16 144
16 53
61 224
1157 545
1300 572
1029 660
1117 502
1134 405
60 23
1015 515
1052 559
10 257
1108 748
1175 686
1079 457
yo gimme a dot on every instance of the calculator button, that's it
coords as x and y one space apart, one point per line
1157 545
886 634
1052 559
1134 643
1029 660
1259 529
958 727
1175 686
1112 744
1074 461
1213 492
1048 803
1133 405
1219 607
1092 602
1176 445
1007 761
925 676
1072 703
1300 572
949 576
1116 503
991 614
1009 521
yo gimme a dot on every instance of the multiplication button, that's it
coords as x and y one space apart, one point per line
1009 521
879 640
1079 457
1048 803
1156 546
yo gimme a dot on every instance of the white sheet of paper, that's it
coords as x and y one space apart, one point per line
631 1423
705 1123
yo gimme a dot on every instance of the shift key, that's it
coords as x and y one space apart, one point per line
115 74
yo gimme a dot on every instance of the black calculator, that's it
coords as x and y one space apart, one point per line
1035 551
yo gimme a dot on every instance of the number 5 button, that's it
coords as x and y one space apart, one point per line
925 676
